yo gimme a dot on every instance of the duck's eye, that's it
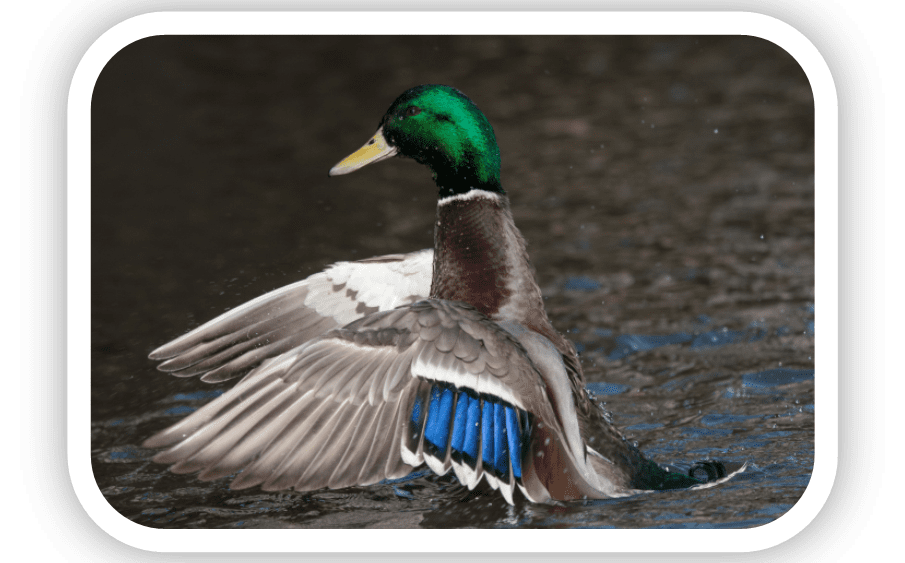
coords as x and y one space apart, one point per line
412 111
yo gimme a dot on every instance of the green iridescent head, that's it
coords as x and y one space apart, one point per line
440 127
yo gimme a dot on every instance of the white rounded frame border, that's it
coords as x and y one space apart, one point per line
441 23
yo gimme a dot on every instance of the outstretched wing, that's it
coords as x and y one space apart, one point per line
435 381
239 340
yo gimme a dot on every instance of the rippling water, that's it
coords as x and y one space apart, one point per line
665 186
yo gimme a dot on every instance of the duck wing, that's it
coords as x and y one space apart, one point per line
240 339
435 381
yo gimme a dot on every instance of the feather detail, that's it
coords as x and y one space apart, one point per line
241 339
369 401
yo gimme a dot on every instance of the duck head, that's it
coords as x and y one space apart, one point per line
441 128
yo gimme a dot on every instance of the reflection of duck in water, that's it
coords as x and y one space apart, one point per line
445 357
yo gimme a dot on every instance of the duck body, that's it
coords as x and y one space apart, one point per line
442 357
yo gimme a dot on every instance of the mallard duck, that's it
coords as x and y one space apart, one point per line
442 357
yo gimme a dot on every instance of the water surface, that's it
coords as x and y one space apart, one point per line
665 186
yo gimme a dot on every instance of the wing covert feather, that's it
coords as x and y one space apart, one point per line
242 338
338 410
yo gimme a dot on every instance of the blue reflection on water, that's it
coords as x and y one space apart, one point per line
580 283
776 377
627 344
601 388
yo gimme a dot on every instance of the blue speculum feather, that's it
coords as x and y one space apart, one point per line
416 410
437 430
500 446
487 431
475 428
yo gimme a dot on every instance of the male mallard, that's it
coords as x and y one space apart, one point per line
446 357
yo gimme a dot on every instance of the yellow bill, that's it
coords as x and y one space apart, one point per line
374 150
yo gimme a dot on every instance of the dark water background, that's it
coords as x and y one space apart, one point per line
665 186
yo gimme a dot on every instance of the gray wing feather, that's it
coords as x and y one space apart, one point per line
243 338
335 412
